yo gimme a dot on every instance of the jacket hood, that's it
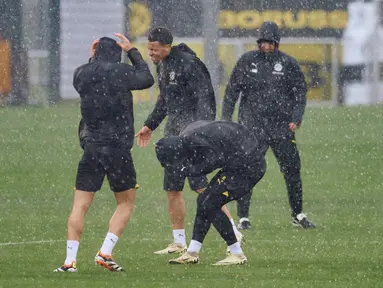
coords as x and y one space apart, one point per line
108 50
269 31
171 150
183 48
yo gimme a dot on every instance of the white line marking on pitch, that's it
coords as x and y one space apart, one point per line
29 242
321 242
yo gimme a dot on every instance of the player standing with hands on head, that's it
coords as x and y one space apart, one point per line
273 99
106 135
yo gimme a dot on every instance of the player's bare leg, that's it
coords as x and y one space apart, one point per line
177 211
125 207
81 203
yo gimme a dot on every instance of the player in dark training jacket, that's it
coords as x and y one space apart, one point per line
201 148
273 99
186 95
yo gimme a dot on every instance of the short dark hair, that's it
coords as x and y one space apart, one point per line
162 35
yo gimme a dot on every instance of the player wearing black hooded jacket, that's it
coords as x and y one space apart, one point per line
104 85
186 92
186 95
202 147
106 134
273 99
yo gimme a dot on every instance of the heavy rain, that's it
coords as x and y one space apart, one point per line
144 137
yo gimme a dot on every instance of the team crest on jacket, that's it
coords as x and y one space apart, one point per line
172 78
172 75
278 67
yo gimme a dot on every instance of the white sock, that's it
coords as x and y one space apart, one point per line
235 248
234 226
195 246
71 251
179 237
109 243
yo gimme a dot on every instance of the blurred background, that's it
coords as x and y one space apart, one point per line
336 42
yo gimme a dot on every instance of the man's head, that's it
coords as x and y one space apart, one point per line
108 50
171 151
160 44
269 37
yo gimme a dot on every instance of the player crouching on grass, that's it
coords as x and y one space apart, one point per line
202 147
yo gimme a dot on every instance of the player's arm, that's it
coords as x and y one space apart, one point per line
152 122
233 89
298 90
81 127
158 114
127 77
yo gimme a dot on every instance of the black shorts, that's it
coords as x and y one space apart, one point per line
174 181
114 162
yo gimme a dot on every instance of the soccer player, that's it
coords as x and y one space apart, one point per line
106 135
186 95
202 147
273 99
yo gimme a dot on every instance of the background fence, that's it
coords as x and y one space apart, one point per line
43 41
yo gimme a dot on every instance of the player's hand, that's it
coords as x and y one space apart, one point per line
93 47
293 126
143 136
125 43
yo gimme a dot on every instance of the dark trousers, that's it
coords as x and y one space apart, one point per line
225 186
287 155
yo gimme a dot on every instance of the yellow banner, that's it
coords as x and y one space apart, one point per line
314 59
327 21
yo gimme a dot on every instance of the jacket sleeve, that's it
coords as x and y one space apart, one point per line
198 85
128 77
211 161
233 89
81 127
158 115
298 90
77 83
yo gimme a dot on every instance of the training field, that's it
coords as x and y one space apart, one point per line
342 160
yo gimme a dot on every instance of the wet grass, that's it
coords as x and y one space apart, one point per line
342 156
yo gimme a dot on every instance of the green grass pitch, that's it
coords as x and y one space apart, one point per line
342 171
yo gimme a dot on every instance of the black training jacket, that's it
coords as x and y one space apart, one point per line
186 91
221 144
273 92
106 99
